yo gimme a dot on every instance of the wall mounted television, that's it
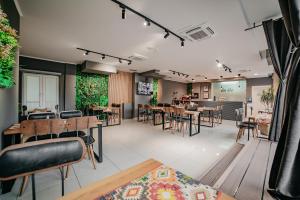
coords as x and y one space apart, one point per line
144 88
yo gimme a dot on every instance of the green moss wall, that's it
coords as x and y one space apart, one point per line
91 89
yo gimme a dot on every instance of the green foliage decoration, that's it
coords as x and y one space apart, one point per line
8 47
189 88
91 89
267 97
153 100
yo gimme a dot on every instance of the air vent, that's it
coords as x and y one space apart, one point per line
137 57
197 33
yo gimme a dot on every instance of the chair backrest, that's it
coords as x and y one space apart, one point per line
27 128
82 123
70 114
167 105
42 127
160 105
238 116
116 105
39 156
140 106
41 115
93 121
180 111
147 107
57 126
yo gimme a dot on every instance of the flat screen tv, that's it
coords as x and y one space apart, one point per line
144 88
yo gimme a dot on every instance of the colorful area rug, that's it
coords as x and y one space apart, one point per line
163 183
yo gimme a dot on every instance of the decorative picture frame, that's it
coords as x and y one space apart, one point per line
205 95
205 88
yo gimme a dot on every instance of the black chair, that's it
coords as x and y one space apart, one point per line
160 105
242 125
67 115
41 115
35 157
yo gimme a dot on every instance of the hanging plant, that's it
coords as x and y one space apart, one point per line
8 47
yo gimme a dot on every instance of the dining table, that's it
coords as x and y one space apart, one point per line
107 111
15 130
210 111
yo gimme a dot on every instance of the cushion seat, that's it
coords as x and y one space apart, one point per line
72 134
41 137
88 140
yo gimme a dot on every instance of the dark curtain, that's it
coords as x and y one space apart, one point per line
280 47
284 179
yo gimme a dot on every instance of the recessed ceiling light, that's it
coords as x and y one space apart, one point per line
255 74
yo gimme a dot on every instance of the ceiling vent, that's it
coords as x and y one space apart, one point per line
137 57
197 33
97 68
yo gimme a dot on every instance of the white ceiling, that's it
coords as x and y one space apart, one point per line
52 29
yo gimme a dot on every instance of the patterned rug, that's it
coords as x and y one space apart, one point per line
163 183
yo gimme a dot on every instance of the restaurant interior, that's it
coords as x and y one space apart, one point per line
160 100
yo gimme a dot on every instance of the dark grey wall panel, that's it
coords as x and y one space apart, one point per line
168 87
228 107
67 79
140 99
9 97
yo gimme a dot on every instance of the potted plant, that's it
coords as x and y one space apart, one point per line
267 98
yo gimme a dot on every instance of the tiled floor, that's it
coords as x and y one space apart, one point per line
132 143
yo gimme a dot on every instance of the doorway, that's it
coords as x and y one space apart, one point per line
40 91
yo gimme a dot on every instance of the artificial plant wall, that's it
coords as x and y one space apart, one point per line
189 88
153 100
8 47
91 89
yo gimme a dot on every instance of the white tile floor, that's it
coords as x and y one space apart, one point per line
132 143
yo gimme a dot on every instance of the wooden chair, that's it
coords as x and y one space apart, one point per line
180 118
81 124
141 112
242 126
148 113
169 111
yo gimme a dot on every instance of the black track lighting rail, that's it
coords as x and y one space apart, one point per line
147 19
179 73
104 55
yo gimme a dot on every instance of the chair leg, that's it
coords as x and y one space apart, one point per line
92 156
33 187
67 172
23 186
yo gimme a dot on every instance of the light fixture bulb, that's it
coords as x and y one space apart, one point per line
182 43
86 53
103 57
219 64
120 61
129 62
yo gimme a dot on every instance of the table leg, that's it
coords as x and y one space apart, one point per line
199 121
98 157
248 131
191 119
163 119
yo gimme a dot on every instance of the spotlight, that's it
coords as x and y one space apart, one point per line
167 34
86 53
182 43
225 69
120 61
186 76
193 80
205 78
219 65
239 75
147 23
123 13
103 57
129 62
174 73
221 77
230 70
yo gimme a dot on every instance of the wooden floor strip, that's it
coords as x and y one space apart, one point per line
213 175
232 182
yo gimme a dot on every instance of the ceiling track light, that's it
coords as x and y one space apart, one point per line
182 43
147 20
123 13
219 64
167 34
103 55
86 53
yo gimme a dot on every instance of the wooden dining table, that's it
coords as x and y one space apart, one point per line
15 129
210 111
